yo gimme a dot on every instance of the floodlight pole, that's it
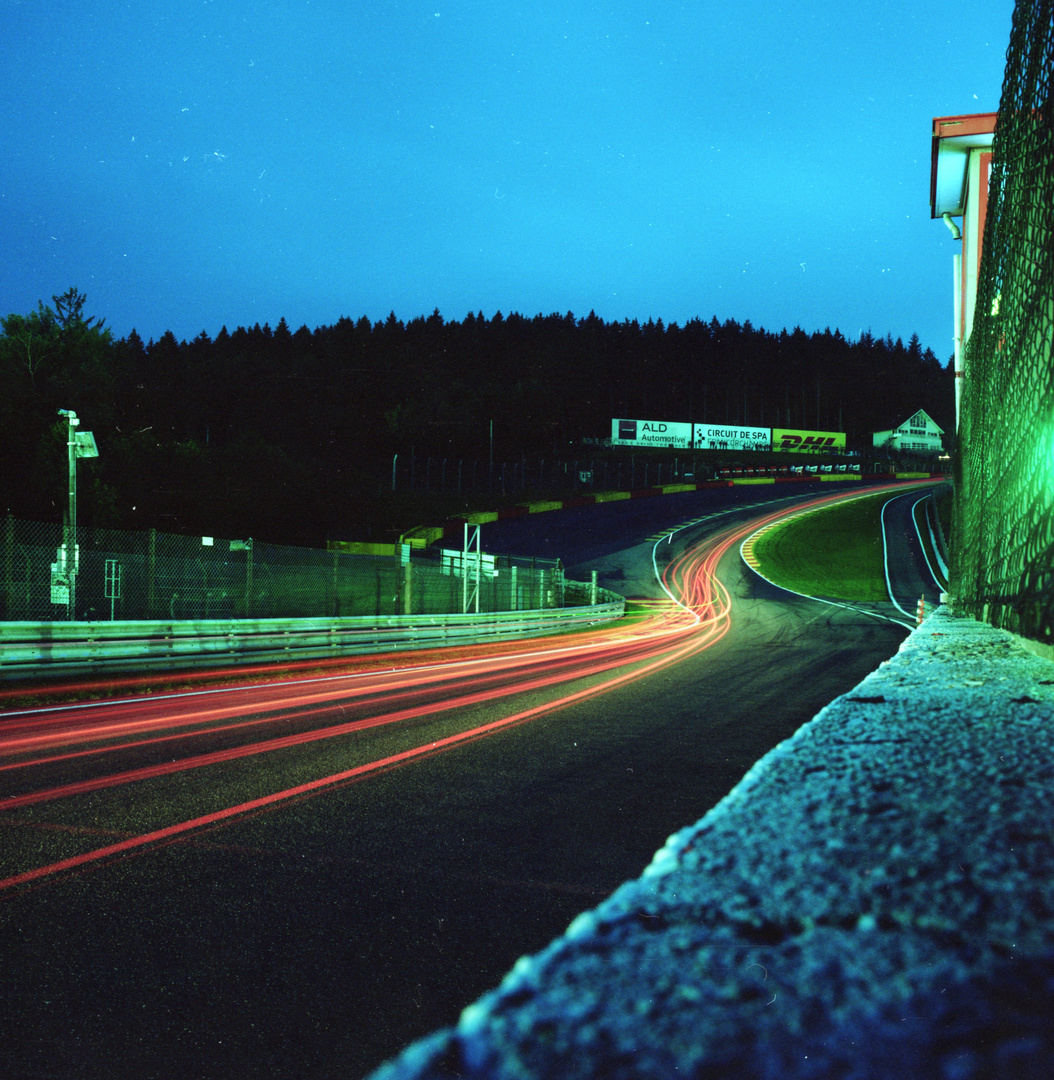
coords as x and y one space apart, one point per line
71 521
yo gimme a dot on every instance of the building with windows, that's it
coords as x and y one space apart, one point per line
920 435
961 163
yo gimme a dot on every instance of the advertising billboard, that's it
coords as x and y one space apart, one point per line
807 442
651 433
726 437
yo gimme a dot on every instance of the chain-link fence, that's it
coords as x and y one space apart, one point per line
602 473
153 575
1004 529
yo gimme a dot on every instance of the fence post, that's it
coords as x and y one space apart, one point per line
408 603
249 579
9 566
151 574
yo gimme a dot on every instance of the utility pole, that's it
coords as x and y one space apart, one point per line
69 541
78 444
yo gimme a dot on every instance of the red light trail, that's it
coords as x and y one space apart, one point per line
696 616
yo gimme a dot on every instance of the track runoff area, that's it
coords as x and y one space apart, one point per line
825 589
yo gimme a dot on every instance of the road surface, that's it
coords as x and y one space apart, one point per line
299 880
909 575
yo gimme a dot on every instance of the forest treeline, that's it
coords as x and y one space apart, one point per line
288 434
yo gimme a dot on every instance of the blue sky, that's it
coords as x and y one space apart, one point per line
191 164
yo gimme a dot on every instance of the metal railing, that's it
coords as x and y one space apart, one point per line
34 649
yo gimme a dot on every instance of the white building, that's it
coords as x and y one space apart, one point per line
961 164
919 434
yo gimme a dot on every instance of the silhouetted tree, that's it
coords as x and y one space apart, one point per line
229 426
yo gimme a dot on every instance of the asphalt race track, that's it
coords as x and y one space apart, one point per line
317 935
909 576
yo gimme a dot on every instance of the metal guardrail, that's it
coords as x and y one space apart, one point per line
47 649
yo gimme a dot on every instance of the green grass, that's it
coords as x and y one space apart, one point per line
834 552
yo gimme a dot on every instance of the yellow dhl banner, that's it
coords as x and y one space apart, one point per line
807 442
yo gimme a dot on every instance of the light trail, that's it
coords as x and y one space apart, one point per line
619 659
387 687
40 735
696 618
50 725
334 779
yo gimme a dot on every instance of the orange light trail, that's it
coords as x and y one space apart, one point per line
696 617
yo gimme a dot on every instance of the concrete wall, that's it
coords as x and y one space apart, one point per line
874 899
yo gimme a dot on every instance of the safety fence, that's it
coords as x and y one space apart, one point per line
630 472
1003 535
458 475
111 575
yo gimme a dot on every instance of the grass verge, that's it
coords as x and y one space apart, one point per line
835 552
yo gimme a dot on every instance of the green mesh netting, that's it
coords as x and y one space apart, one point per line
1003 542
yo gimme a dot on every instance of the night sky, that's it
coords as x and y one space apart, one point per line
190 164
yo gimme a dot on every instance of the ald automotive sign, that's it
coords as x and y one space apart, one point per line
650 433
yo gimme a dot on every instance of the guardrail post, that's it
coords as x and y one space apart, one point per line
7 605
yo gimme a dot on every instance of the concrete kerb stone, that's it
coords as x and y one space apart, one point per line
874 899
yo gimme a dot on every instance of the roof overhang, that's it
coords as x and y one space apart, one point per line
953 139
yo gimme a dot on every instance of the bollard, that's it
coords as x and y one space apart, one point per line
920 611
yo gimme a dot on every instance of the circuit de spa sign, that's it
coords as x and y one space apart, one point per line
728 437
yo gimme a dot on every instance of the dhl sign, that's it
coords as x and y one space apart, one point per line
807 442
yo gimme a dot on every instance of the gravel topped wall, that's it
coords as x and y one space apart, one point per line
874 899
